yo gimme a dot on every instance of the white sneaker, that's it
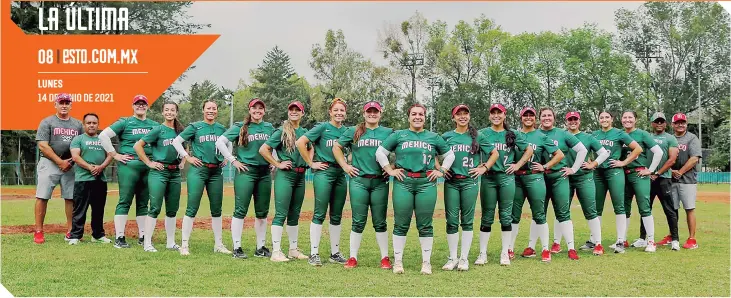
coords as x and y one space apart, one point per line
221 249
504 259
639 243
173 247
650 247
675 245
613 246
398 267
73 241
450 265
297 254
150 249
463 265
426 268
481 259
184 251
103 239
278 256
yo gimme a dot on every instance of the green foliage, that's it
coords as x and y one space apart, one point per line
720 158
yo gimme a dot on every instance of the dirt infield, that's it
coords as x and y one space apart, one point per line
10 194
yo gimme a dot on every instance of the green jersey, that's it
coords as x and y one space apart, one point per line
323 136
259 133
275 141
507 154
612 140
645 140
591 144
92 153
129 130
161 139
204 138
665 141
461 145
415 151
543 147
564 141
364 150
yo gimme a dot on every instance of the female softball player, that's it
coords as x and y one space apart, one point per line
368 186
252 175
289 181
164 177
204 172
530 184
557 181
610 176
637 176
498 186
461 188
328 181
415 189
582 183
132 171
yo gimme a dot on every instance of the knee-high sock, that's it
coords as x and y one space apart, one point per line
542 230
621 227
293 234
140 226
649 222
170 226
452 242
315 234
187 229
120 221
534 235
505 235
355 244
334 238
557 232
595 228
398 247
217 226
514 235
567 228
626 227
149 229
237 227
260 227
426 246
277 237
466 244
382 239
484 239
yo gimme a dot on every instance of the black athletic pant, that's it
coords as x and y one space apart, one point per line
662 188
94 194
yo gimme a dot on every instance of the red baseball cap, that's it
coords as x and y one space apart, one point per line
460 107
679 117
372 104
572 114
497 106
526 109
255 101
139 98
63 97
298 105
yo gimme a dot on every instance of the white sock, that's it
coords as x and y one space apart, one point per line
452 242
567 228
466 244
140 226
484 239
398 247
600 219
355 244
534 235
595 227
626 228
217 226
334 238
557 232
260 226
506 241
426 245
170 226
514 235
649 223
150 228
315 234
542 231
621 227
293 234
277 237
187 229
237 228
382 239
120 221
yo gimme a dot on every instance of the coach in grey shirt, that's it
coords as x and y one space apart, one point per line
55 166
685 175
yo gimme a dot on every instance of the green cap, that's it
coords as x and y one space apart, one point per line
658 115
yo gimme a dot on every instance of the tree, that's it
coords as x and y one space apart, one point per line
720 156
403 45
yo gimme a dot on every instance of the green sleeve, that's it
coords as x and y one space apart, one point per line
232 134
119 125
188 132
441 145
275 140
485 144
520 141
76 142
151 137
391 142
625 138
571 140
346 139
549 145
314 134
672 142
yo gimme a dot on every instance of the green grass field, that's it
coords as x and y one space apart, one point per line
56 269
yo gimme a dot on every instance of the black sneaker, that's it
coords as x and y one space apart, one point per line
141 240
239 253
315 260
587 246
262 252
120 242
338 258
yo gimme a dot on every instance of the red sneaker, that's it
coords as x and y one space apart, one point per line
38 237
665 241
352 262
598 250
386 263
690 244
573 255
511 254
555 248
546 256
67 237
528 253
626 244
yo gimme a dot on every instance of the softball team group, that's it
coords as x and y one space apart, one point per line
537 162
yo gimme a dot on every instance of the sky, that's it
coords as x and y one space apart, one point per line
249 29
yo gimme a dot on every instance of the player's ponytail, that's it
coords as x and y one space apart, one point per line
244 132
509 135
359 131
288 136
473 135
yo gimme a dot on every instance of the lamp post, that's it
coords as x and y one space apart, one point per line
648 53
434 82
411 61
229 101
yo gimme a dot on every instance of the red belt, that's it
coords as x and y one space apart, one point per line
637 169
418 174
297 170
212 165
460 177
332 164
548 171
371 176
169 166
525 172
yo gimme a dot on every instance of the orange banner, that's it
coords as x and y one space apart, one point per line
102 73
